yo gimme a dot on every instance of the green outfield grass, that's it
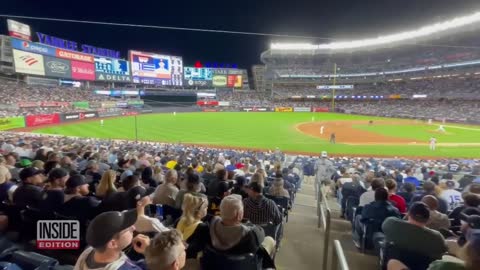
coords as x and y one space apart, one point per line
270 130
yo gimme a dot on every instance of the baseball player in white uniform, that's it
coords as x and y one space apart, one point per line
321 130
433 143
441 128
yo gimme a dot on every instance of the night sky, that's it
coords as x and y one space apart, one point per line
343 19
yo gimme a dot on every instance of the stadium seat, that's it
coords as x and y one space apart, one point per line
283 203
9 266
215 260
29 260
414 261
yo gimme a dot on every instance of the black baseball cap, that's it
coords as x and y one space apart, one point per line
135 194
255 186
76 181
56 174
105 226
471 216
29 172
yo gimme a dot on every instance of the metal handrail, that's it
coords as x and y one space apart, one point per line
324 219
338 258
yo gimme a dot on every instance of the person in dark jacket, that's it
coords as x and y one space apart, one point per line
212 189
351 189
375 213
30 191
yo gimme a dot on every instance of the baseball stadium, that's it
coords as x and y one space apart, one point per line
334 155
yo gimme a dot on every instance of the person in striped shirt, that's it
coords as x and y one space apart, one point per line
258 208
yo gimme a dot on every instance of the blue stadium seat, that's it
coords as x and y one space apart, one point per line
9 266
29 260
215 260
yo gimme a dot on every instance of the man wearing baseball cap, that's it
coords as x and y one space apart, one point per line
107 235
77 203
30 191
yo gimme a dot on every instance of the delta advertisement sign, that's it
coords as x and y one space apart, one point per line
42 119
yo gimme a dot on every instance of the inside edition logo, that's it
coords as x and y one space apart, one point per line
58 234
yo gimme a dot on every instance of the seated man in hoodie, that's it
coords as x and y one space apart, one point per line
230 235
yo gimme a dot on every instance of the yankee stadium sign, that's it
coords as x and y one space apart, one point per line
74 46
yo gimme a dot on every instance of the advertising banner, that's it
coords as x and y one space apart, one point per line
337 87
28 63
284 109
81 104
28 104
108 114
219 81
42 119
67 117
255 109
12 122
109 104
129 113
210 110
33 47
147 111
76 56
18 29
207 103
56 67
151 68
83 71
234 81
320 109
224 103
122 104
135 102
112 70
302 109
54 104
227 71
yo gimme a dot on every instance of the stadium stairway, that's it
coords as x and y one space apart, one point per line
302 244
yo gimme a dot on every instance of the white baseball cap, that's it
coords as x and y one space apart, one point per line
324 154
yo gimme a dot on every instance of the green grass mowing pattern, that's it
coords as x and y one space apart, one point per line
255 130
425 132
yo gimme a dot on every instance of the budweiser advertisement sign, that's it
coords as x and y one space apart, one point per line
320 109
67 117
42 119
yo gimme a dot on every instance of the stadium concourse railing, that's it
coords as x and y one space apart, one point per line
324 223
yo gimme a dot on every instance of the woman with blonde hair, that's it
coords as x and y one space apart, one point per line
158 175
277 189
258 178
107 184
195 232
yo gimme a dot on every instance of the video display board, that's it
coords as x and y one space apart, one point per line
198 76
158 69
112 70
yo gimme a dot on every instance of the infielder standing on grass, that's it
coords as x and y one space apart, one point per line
433 142
441 128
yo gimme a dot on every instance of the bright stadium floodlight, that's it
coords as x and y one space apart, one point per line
382 40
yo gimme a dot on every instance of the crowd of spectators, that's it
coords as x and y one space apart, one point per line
208 198
412 214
